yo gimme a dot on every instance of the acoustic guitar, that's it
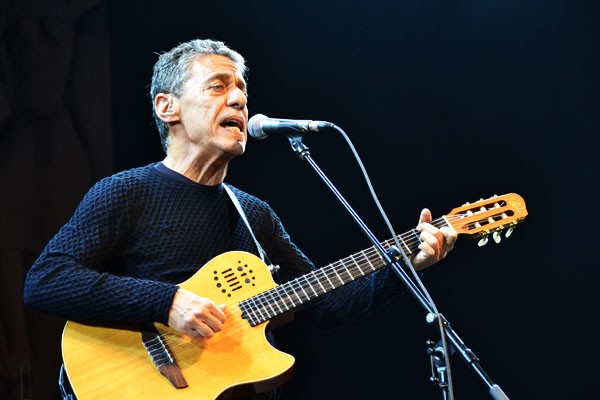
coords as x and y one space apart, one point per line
154 361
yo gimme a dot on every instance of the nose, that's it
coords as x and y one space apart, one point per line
237 99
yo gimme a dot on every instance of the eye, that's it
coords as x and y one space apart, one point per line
218 87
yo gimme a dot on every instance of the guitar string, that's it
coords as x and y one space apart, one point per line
260 307
331 273
334 272
174 340
179 343
368 253
296 292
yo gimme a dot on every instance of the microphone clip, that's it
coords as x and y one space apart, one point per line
298 146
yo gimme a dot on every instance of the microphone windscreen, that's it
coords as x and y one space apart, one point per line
255 126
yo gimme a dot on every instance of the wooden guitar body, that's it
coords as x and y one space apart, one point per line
112 363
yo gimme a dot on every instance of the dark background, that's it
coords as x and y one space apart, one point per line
446 102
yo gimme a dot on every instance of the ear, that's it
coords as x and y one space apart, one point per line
166 107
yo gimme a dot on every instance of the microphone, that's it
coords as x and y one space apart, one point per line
260 126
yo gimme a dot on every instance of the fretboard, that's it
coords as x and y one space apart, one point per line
289 295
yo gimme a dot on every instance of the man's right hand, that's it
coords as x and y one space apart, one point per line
195 316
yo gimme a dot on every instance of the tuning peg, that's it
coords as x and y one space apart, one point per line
509 231
483 241
497 237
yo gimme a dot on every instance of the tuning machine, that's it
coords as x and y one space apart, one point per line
496 235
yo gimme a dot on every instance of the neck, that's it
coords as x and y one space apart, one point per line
205 172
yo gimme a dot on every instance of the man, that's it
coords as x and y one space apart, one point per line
139 233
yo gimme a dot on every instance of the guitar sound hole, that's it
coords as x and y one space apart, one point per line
234 278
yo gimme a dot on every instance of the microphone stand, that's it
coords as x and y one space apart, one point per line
435 351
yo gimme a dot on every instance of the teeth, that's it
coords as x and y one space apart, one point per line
232 122
233 128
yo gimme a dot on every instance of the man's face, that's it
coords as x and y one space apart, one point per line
213 108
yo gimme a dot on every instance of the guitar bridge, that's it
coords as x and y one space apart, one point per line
161 356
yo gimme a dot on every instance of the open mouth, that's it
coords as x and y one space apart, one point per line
233 124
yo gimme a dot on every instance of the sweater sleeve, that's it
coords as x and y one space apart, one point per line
76 275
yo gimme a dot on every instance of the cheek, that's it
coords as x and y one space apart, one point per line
205 119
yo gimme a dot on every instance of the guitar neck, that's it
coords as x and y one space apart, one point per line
285 297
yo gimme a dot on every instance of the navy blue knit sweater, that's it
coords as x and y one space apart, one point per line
137 234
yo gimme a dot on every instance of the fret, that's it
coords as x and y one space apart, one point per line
262 309
358 265
252 309
310 285
295 293
417 236
323 272
318 281
346 273
287 297
284 299
368 260
281 299
300 286
273 298
364 267
304 291
407 249
336 274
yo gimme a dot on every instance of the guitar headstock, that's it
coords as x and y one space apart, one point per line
489 216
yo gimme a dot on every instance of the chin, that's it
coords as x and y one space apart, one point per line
239 149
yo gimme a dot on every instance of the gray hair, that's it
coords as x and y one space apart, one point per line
172 70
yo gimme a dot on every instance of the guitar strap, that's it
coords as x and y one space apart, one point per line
262 253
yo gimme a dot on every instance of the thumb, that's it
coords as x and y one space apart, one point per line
425 216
